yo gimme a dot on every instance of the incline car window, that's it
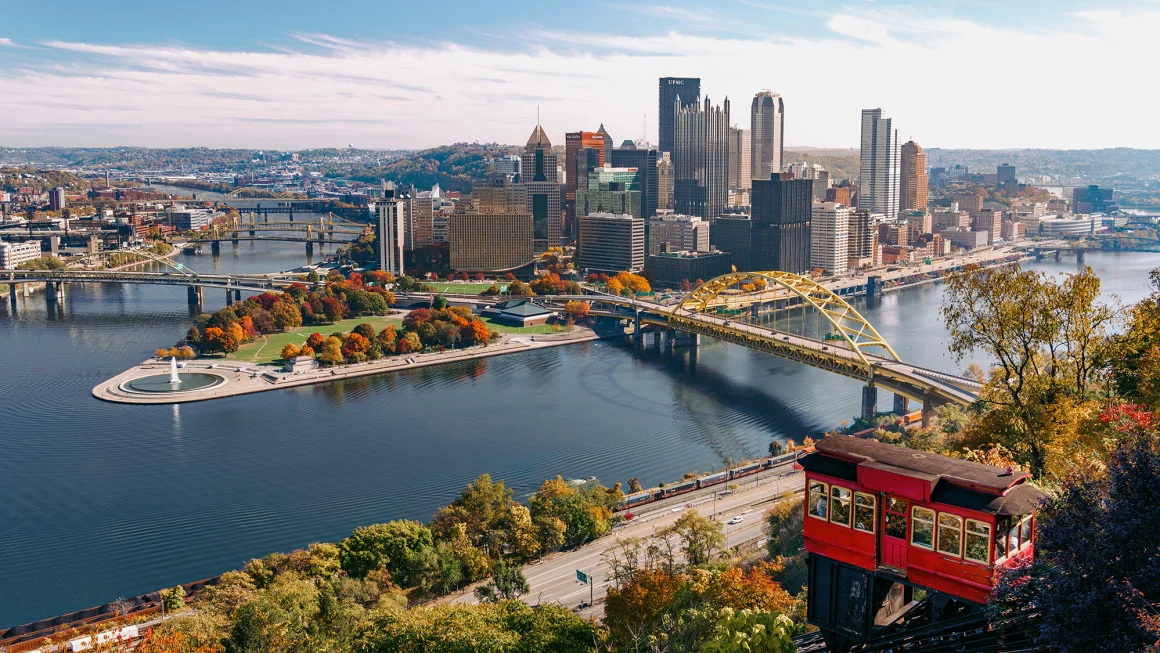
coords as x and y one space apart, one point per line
1025 532
840 505
922 532
978 541
950 534
818 500
896 518
863 512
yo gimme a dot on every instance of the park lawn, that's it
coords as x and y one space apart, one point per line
503 328
466 288
264 351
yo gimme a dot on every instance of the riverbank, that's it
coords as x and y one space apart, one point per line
242 378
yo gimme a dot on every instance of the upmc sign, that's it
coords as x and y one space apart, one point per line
676 81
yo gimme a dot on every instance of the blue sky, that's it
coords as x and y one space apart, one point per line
292 74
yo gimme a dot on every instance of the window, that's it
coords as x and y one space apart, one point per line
922 533
950 534
840 505
978 541
863 512
818 501
1025 531
1013 539
896 517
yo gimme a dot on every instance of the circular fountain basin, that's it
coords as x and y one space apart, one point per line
160 383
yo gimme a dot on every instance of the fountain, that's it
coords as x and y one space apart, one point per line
174 382
173 378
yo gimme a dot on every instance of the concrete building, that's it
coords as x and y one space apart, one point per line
1072 225
946 219
839 194
576 166
184 219
677 233
669 269
914 191
389 216
733 233
1093 199
781 212
863 243
701 160
970 202
675 93
500 194
965 238
56 199
767 134
490 242
543 192
895 234
13 254
988 220
1013 231
1005 173
878 182
664 183
740 161
830 237
611 243
643 158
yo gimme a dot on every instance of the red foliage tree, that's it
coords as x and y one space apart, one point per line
315 341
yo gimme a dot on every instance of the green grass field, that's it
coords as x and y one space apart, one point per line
503 328
267 350
466 288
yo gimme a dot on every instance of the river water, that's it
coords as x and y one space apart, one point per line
101 500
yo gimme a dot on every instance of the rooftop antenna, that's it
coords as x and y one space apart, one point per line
537 114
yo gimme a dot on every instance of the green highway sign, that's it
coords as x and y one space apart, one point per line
581 576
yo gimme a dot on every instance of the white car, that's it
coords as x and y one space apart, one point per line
736 520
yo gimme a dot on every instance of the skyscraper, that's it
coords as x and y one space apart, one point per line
388 213
878 184
782 210
490 242
701 160
767 134
606 139
1005 173
688 89
576 167
611 243
644 159
740 167
913 191
665 182
539 178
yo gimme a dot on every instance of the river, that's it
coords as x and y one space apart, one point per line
101 500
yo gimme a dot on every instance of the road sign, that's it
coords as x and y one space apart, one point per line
581 576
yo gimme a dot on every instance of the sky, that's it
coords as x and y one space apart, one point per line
295 74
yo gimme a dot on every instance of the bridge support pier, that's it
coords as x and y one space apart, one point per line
928 409
1058 255
670 339
237 295
309 248
656 340
12 289
1079 256
637 335
215 248
901 404
194 295
869 403
229 297
251 233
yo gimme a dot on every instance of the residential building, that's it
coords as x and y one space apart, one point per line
965 238
740 166
644 159
1013 231
490 242
611 243
56 199
539 179
894 233
701 160
1093 199
677 233
781 212
914 191
767 134
878 183
947 219
830 237
671 268
664 182
13 254
1005 173
675 93
1056 205
184 219
733 233
863 243
970 202
389 216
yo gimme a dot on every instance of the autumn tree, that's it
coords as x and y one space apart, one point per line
286 315
507 583
519 288
331 352
577 310
391 546
290 350
699 537
315 340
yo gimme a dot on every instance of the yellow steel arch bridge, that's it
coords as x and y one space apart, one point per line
775 312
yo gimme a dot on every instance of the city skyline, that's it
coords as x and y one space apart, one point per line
258 80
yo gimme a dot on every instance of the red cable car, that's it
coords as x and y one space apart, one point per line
883 521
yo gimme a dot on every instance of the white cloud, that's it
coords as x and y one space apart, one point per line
5 42
948 83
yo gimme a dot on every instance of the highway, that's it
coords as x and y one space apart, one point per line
553 579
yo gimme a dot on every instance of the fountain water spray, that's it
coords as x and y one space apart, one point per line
173 379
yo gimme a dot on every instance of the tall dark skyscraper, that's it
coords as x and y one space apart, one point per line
701 160
688 89
543 190
782 210
644 159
